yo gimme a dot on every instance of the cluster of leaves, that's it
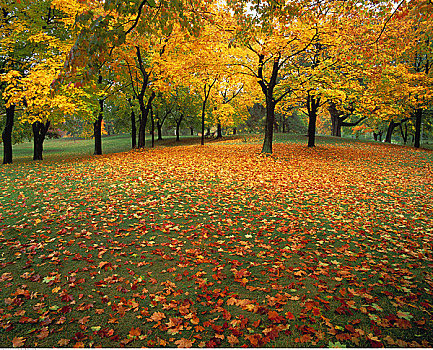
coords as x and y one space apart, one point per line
217 246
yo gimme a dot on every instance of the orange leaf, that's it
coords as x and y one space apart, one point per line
157 316
18 342
135 332
232 339
184 343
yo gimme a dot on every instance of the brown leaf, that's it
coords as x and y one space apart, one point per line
43 334
63 342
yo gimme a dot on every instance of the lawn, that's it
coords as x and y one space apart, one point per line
218 246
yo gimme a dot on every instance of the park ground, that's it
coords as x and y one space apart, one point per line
218 246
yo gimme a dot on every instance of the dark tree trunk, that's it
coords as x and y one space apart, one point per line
7 135
418 124
159 128
152 132
389 131
133 127
269 125
335 119
144 109
192 130
392 125
338 119
312 107
336 126
178 122
375 136
203 110
219 131
39 132
97 129
234 131
202 121
403 133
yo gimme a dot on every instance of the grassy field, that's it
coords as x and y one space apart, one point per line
218 246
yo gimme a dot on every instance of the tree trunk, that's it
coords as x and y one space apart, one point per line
152 132
203 110
269 126
403 133
336 126
39 132
234 131
178 127
418 124
219 131
392 125
133 128
312 106
192 130
144 109
7 135
97 129
335 120
159 128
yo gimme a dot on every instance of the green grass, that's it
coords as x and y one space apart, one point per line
217 244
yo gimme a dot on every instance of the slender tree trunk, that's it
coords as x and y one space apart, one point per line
7 135
234 131
375 136
418 124
97 129
159 128
178 127
202 121
39 132
192 130
152 120
133 128
403 133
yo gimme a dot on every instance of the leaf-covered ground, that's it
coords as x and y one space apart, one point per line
218 246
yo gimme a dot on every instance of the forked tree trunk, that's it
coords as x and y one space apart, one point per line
144 109
39 133
392 125
7 135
